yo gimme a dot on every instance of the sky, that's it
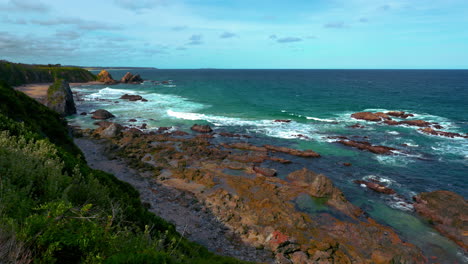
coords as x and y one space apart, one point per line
238 34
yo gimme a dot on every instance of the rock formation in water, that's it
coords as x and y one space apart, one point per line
105 77
130 78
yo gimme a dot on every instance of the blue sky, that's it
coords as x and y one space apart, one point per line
237 33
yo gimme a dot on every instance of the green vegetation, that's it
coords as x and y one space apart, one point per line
55 209
16 74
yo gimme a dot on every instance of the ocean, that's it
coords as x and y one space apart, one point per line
319 104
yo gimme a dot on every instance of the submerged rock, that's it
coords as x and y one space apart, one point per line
105 77
102 114
447 212
201 128
60 98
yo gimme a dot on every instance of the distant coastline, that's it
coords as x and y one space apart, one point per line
116 68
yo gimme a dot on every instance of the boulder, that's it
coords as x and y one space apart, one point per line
105 77
201 128
132 97
113 130
369 116
447 212
130 78
102 114
60 98
363 145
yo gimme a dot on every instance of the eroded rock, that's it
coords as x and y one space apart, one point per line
447 212
363 145
102 114
201 128
105 77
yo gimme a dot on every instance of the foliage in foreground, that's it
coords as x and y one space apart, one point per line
55 209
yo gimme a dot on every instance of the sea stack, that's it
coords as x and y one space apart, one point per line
60 98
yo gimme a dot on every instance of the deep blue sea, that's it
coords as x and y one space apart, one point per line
320 104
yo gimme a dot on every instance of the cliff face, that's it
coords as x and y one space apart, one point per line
16 74
60 98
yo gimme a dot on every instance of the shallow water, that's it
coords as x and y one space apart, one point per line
319 104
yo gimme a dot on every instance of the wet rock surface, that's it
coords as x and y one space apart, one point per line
133 97
259 208
364 145
447 212
201 128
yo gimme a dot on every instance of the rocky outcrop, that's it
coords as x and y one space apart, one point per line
201 128
434 132
399 114
102 114
130 78
262 210
363 145
369 116
133 97
294 152
447 212
105 77
282 120
60 98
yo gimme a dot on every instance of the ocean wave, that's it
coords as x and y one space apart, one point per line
290 130
319 119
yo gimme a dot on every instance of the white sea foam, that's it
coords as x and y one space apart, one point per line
411 145
381 179
319 119
393 133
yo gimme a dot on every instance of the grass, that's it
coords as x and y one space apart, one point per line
55 209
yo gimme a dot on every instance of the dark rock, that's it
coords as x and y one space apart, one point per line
132 97
83 113
135 131
377 187
347 164
163 129
144 126
265 171
105 77
102 114
60 98
132 120
201 128
282 120
447 211
363 145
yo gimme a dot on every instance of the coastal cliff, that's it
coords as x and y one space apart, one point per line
56 209
15 74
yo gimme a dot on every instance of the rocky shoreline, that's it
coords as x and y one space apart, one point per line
232 183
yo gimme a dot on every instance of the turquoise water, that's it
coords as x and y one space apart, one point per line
319 103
